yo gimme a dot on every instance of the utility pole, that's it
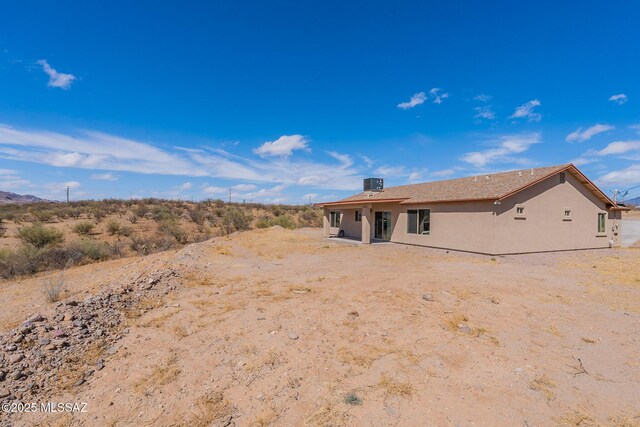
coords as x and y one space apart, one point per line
67 195
615 196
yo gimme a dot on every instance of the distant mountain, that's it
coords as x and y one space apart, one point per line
11 198
635 201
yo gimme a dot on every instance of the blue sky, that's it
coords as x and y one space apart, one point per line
286 101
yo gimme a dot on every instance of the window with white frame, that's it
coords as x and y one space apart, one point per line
419 221
335 219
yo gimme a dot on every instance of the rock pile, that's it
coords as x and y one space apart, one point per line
36 357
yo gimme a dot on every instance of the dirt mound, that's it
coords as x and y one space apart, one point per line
61 348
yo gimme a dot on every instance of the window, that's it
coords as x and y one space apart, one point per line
563 178
335 219
520 213
601 222
419 221
358 216
566 216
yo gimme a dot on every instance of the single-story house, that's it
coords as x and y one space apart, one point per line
552 208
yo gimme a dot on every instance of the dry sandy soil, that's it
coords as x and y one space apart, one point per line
275 327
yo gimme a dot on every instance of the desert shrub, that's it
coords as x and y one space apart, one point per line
3 228
284 221
144 244
87 249
42 215
162 213
98 214
310 218
75 213
133 218
83 228
52 289
172 228
197 216
236 219
39 236
113 227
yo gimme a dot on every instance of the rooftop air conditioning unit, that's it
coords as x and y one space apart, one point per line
373 184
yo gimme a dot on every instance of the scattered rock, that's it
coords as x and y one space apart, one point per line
495 300
11 347
35 318
464 328
68 317
293 335
427 297
44 341
79 382
3 375
99 366
17 339
16 375
354 314
4 393
99 333
16 358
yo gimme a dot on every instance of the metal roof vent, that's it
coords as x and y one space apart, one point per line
373 184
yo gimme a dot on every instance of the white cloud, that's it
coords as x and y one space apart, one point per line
344 159
619 99
620 147
283 146
505 147
443 173
56 79
416 99
186 186
415 176
484 112
244 187
437 95
367 161
390 171
627 176
96 150
581 136
526 111
482 97
210 190
104 177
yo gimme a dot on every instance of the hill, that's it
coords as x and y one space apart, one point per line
7 198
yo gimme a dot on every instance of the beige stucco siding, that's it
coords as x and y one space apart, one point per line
544 226
351 227
461 226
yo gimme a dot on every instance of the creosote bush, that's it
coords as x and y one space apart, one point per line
40 236
83 228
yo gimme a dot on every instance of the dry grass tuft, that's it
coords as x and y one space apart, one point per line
588 340
210 410
268 417
544 385
394 388
625 421
300 289
364 358
328 414
578 417
553 330
162 374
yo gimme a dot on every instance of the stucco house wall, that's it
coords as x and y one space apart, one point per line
544 226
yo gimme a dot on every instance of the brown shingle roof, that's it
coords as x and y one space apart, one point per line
481 187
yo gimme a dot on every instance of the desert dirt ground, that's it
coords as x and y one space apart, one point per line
278 327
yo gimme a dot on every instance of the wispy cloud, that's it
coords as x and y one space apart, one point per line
56 79
390 171
416 99
626 176
482 97
619 99
244 187
283 146
526 111
438 95
186 186
97 150
444 173
484 113
505 148
344 159
620 147
584 135
104 177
